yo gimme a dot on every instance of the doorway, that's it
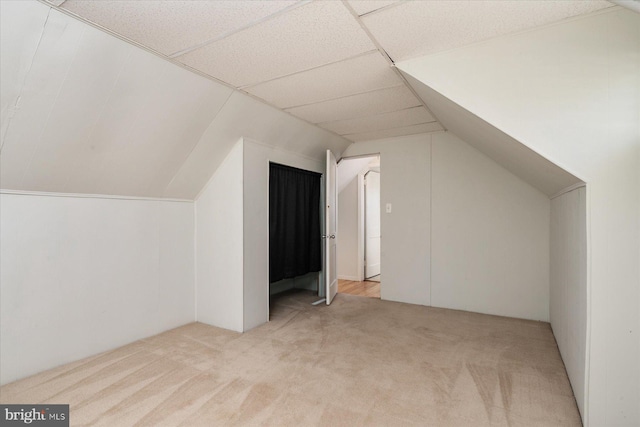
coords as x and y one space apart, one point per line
295 248
359 227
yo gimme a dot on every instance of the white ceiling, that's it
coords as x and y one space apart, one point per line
323 61
356 75
85 112
502 148
172 26
416 28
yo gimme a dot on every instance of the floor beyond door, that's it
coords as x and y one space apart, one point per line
360 289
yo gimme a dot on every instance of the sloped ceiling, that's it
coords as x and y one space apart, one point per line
85 112
327 62
566 91
518 159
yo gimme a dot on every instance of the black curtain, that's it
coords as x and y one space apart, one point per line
294 222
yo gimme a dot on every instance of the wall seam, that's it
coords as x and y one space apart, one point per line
430 216
195 261
92 196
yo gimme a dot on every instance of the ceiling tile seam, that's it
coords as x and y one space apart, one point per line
253 84
238 30
609 9
384 53
346 135
370 136
382 9
262 101
175 62
375 42
345 96
366 115
374 115
369 52
418 96
14 108
139 45
55 101
389 128
99 115
184 162
322 101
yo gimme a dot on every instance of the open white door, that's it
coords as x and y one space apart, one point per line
331 227
372 224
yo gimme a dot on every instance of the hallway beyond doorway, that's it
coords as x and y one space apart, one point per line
366 288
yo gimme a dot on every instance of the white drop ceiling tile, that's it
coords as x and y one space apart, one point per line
361 105
366 6
395 119
390 133
172 26
356 75
308 36
416 28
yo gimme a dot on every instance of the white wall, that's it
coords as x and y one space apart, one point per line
489 235
256 223
464 232
405 182
219 246
347 244
571 91
568 284
83 275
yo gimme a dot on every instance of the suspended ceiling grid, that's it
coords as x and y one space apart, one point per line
327 62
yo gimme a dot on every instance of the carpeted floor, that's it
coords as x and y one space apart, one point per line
360 361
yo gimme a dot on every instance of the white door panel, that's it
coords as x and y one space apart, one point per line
372 224
331 227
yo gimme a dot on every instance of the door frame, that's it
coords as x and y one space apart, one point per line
360 232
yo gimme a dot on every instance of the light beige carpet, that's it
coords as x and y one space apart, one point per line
360 361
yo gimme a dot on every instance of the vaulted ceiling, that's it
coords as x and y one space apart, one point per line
329 63
85 112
